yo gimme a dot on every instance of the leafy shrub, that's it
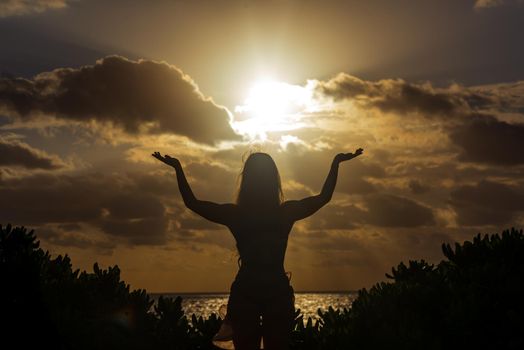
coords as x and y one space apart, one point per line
471 300
45 302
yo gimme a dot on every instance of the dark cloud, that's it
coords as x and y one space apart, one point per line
485 139
322 241
485 4
335 217
487 203
397 95
311 168
508 97
382 210
213 182
462 112
388 210
160 184
115 204
362 260
147 231
25 7
45 198
416 187
137 96
481 4
192 221
197 239
69 236
134 205
16 153
351 184
411 98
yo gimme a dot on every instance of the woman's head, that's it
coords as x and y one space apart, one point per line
259 182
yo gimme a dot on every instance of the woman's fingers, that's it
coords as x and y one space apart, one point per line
167 159
356 154
347 156
158 156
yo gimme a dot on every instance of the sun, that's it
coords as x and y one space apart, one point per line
272 105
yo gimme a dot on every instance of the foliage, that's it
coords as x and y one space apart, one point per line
472 299
45 302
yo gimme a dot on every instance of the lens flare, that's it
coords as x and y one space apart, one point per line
273 106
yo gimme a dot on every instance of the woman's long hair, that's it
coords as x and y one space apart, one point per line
259 182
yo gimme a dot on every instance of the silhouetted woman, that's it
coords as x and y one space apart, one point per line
260 222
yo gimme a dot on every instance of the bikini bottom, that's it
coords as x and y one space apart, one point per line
261 307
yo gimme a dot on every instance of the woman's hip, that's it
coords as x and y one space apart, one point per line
262 286
261 298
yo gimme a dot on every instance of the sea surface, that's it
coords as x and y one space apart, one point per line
308 302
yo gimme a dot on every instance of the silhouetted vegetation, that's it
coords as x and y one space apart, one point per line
45 302
472 299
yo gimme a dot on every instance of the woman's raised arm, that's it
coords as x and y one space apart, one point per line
219 213
301 209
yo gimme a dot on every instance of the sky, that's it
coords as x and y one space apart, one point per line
433 91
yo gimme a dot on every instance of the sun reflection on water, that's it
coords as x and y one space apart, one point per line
206 304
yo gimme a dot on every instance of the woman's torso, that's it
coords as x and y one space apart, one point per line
261 237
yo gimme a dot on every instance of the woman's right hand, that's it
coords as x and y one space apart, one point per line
166 159
341 157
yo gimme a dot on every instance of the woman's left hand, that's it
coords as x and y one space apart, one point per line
341 157
166 159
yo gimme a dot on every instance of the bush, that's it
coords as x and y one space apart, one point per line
45 302
473 299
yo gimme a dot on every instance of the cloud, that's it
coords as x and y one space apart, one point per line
137 96
484 4
193 222
103 210
17 153
488 3
482 123
322 241
213 182
116 204
26 7
48 198
487 203
397 95
417 187
421 179
381 210
310 168
141 231
337 217
484 139
389 210
77 236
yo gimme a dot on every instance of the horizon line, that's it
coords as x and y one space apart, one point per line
227 292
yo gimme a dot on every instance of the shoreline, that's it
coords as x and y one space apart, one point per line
227 292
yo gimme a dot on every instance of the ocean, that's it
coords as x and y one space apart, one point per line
205 304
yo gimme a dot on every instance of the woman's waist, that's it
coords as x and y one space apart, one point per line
261 268
265 284
262 273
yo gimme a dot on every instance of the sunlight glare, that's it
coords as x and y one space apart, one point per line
272 106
